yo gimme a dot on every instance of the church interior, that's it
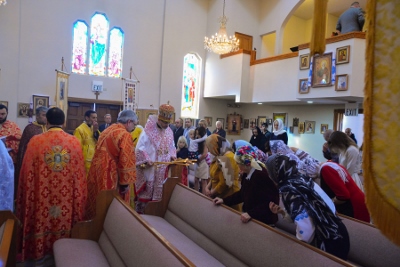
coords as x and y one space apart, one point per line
49 50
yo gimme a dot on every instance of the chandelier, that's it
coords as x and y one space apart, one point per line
220 43
3 2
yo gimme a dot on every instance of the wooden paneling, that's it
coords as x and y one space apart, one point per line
245 41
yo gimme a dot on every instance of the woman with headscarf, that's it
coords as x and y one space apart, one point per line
224 172
345 194
341 144
306 164
316 222
258 139
279 133
257 190
261 156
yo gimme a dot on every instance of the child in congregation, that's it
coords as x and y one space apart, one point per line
202 170
193 152
182 153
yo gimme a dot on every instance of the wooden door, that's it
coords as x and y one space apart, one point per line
245 41
76 114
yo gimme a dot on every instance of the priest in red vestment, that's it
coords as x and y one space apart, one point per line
52 191
113 163
11 131
35 128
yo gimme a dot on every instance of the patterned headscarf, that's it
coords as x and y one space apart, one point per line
298 194
247 156
217 145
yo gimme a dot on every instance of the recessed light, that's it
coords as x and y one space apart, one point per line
310 102
259 103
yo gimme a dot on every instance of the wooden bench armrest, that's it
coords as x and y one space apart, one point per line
8 245
159 208
92 229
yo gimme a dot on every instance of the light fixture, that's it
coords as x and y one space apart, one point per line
3 2
220 43
310 102
259 103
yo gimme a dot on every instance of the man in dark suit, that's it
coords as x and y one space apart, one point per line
178 132
219 130
107 120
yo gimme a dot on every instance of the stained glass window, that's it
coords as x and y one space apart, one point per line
98 44
79 47
115 53
191 85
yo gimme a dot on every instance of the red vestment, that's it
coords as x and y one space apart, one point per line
113 164
30 131
13 133
52 191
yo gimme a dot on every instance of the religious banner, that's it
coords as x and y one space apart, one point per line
61 97
381 117
191 85
129 93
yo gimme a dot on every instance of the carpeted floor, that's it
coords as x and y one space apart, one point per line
47 261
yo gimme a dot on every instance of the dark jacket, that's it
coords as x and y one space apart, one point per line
177 133
351 20
259 140
221 133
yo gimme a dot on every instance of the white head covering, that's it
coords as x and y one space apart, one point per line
280 127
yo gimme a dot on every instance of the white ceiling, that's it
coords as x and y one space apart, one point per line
335 7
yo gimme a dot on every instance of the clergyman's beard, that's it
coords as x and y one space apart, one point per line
3 120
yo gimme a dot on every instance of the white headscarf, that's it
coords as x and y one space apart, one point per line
280 127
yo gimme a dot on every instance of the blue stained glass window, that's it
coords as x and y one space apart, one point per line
79 47
98 44
115 53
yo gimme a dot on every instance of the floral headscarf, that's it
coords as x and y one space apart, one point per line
247 156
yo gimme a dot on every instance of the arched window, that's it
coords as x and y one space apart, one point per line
98 44
191 85
105 47
115 54
79 47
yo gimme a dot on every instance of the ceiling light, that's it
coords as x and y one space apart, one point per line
310 102
220 43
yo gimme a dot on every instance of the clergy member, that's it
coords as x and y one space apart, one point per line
11 131
156 143
35 128
87 134
52 191
113 165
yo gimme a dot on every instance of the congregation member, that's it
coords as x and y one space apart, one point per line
305 165
156 144
107 122
219 130
350 134
256 191
264 130
224 172
279 133
325 147
188 127
339 186
11 131
52 191
113 165
32 129
7 179
258 139
87 134
351 20
178 132
261 156
341 144
182 153
135 137
202 170
313 212
137 131
203 123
